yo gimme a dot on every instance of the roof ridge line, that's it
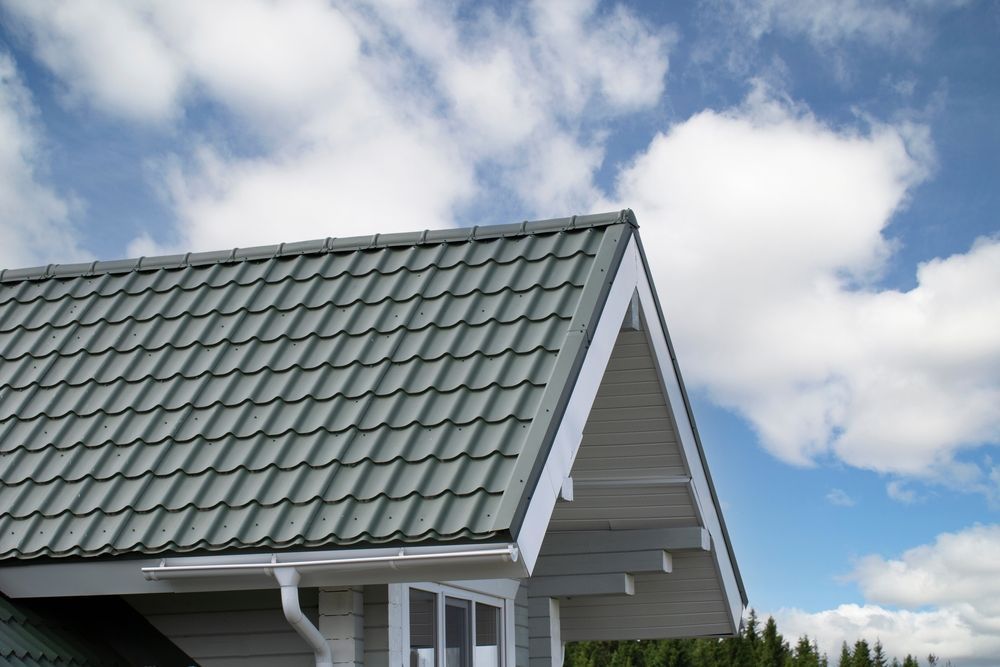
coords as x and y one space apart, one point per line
317 246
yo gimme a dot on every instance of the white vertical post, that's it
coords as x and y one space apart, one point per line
399 625
509 633
545 646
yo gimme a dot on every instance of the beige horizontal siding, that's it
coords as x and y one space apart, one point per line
684 603
629 434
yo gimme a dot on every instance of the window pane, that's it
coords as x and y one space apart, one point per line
456 633
422 628
487 635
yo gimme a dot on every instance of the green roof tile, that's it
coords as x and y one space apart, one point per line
398 388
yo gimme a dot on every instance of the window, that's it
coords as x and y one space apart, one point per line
423 628
488 634
450 627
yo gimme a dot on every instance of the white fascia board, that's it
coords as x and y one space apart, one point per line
705 508
567 440
252 571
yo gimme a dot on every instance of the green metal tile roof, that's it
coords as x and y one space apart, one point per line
399 388
28 639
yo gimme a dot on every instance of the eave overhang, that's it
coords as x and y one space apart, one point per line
254 571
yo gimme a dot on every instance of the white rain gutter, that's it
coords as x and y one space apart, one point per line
163 571
288 579
287 575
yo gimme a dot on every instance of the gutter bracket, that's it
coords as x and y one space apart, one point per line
288 579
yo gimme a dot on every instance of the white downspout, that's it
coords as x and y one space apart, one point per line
288 579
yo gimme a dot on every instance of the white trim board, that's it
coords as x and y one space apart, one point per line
705 508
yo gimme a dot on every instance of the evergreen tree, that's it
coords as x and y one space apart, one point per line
743 650
772 650
751 634
805 654
752 647
846 658
878 655
862 654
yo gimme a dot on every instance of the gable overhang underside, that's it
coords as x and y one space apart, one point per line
624 526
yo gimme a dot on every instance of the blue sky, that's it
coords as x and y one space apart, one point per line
816 182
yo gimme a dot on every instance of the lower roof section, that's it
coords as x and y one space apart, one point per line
93 632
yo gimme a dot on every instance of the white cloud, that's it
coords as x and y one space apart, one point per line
898 491
941 598
765 229
959 568
389 114
267 60
840 498
398 181
34 220
740 33
885 24
556 175
827 22
105 54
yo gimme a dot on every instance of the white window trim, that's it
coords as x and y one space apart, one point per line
506 606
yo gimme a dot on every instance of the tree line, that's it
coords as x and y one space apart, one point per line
752 647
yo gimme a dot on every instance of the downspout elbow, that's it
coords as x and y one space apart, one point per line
288 579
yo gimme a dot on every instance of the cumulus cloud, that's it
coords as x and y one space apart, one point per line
35 220
104 55
766 231
392 114
939 598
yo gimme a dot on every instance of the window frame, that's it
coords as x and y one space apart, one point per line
443 591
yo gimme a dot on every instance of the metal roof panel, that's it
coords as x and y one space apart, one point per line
334 392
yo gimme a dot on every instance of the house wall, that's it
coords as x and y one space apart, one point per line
231 628
521 635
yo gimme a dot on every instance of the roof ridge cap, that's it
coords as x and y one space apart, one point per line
317 246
